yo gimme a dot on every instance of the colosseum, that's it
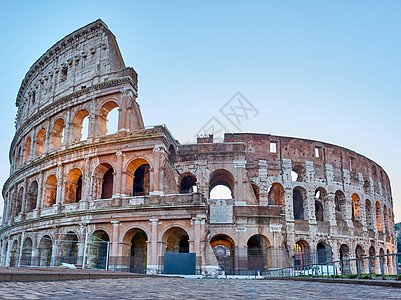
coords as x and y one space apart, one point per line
138 200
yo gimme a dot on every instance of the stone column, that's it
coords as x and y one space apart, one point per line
39 200
24 199
118 174
47 138
310 207
115 238
240 185
155 178
60 187
152 262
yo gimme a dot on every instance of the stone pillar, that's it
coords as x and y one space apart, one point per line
152 262
289 210
310 207
155 178
60 187
240 185
39 200
47 138
24 198
115 238
118 174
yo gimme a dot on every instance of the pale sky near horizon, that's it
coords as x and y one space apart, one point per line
323 70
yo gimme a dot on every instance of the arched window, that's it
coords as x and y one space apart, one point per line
276 194
301 253
73 186
27 149
108 119
18 202
188 184
50 191
255 190
141 181
107 185
299 199
40 142
324 254
138 178
356 207
221 185
340 206
57 136
32 196
80 126
298 173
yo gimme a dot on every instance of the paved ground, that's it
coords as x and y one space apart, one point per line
181 288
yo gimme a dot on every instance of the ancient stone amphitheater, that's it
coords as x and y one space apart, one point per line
80 194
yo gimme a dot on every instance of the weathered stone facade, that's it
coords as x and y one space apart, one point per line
286 192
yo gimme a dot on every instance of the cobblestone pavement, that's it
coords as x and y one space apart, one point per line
181 288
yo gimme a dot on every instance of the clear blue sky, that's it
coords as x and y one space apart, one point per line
325 70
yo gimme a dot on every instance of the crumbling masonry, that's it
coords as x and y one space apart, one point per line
144 192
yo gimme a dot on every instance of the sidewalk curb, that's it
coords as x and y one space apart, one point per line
388 283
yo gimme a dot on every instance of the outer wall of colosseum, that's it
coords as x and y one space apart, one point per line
140 189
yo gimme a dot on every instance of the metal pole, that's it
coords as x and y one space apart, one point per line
396 266
382 266
20 249
107 255
85 247
358 267
370 268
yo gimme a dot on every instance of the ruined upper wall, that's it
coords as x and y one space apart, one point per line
84 58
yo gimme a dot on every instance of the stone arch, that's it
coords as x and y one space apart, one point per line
188 183
340 206
18 202
32 196
299 201
14 253
301 253
176 240
73 186
172 153
372 252
98 249
50 194
344 255
356 207
69 249
321 206
40 142
257 247
256 192
106 108
45 251
224 249
136 248
103 177
26 253
220 181
379 217
27 149
359 253
298 173
276 195
57 135
138 177
77 126
324 253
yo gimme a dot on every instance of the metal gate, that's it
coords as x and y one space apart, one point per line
180 263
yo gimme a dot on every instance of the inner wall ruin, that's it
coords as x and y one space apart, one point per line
290 201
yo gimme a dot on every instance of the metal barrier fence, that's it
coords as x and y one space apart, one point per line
88 251
378 266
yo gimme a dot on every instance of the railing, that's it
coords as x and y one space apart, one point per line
369 267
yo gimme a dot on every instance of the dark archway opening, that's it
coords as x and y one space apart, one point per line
141 180
107 184
138 255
